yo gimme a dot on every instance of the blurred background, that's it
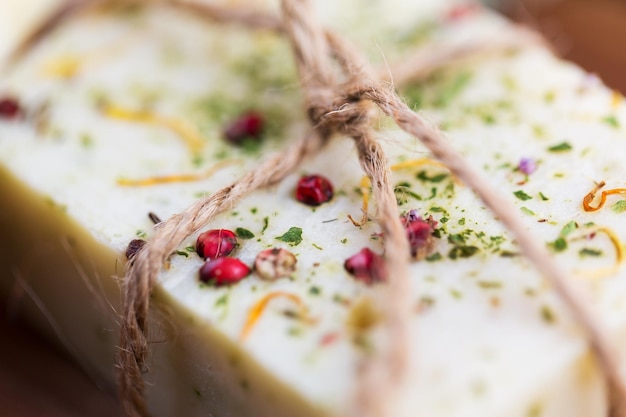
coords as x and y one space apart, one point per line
36 380
588 32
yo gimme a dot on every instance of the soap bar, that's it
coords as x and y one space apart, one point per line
130 120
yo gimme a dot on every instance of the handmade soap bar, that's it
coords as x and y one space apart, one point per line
122 114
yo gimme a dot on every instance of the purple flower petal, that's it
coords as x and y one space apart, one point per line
527 166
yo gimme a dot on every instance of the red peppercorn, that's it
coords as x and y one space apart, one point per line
216 243
419 233
248 126
314 190
223 271
366 266
9 108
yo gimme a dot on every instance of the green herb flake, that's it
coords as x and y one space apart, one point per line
314 290
561 147
543 196
444 220
318 247
461 221
293 236
402 193
539 131
254 210
521 195
588 252
456 239
452 89
619 206
182 253
434 257
547 314
197 160
86 140
266 223
344 240
528 211
612 121
222 301
435 178
456 294
436 209
190 249
462 252
558 245
489 285
568 228
244 233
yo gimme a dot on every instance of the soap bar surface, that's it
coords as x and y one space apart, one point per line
108 116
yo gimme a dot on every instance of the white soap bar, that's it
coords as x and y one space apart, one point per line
491 338
18 19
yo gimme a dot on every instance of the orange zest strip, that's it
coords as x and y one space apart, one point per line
257 309
183 129
588 199
364 186
166 179
619 255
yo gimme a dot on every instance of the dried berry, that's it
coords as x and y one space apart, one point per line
419 233
216 243
133 247
275 263
366 266
248 126
9 108
223 271
314 190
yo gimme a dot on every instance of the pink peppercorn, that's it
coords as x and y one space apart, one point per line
314 190
9 108
419 233
247 126
366 266
216 243
223 271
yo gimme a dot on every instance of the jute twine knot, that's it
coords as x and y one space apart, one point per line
342 93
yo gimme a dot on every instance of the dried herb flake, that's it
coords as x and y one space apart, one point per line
292 236
462 252
561 147
244 233
589 252
619 207
521 195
